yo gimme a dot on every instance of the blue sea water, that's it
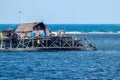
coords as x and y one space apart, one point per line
85 28
103 64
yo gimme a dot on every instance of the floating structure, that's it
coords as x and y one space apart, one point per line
37 37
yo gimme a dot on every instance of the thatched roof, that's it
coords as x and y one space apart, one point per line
29 27
26 27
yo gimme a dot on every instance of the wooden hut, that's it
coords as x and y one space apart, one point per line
7 33
27 28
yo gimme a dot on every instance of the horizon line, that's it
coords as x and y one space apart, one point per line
45 22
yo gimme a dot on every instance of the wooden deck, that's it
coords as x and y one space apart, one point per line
43 43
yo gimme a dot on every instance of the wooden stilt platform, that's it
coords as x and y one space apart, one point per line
43 43
36 36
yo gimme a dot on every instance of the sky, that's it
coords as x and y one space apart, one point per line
61 11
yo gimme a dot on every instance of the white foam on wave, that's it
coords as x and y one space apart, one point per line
94 32
110 32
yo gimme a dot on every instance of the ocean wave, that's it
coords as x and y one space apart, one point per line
94 32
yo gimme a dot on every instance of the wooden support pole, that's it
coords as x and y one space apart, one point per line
87 42
23 42
60 42
46 43
33 42
1 42
10 43
73 41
